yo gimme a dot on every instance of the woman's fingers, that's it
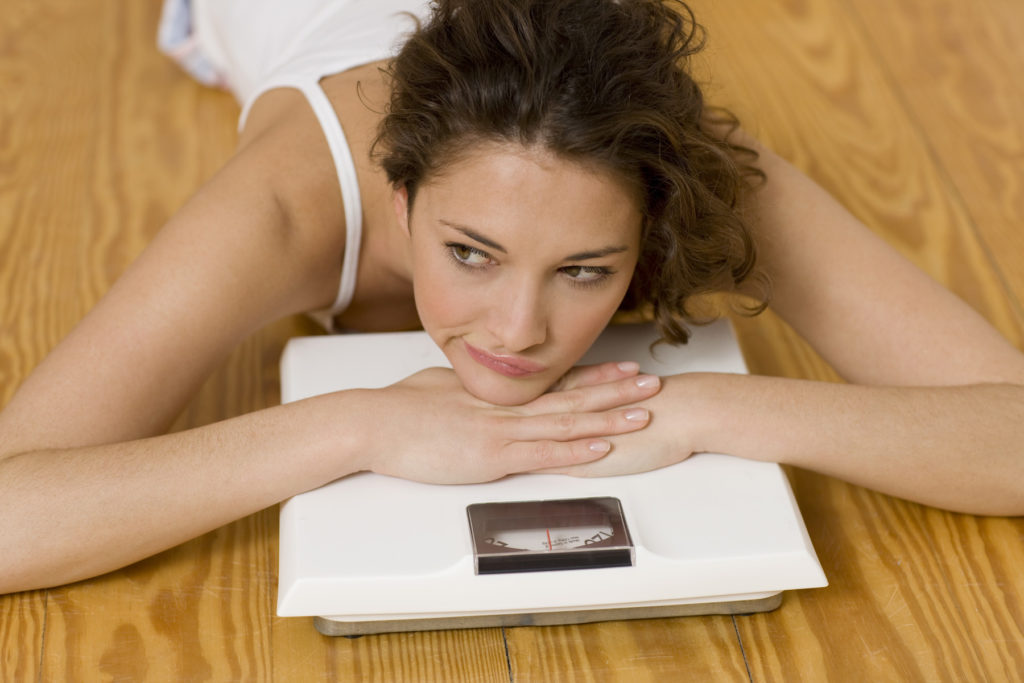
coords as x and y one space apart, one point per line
598 397
452 437
553 455
564 427
588 375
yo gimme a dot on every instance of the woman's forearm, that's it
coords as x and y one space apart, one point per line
74 513
67 514
954 447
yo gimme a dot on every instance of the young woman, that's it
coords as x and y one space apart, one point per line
521 171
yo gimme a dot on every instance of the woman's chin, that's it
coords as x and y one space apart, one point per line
502 391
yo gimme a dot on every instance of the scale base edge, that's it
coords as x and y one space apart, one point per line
335 627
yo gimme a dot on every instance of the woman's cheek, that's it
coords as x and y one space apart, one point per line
440 299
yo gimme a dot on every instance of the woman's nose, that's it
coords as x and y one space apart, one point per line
519 319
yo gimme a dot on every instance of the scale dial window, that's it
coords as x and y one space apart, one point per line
549 535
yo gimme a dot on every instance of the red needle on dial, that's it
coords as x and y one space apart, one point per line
549 540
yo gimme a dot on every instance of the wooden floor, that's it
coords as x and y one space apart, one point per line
910 111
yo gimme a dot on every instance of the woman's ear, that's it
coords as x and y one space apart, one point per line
400 203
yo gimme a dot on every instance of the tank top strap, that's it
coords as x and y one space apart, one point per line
349 184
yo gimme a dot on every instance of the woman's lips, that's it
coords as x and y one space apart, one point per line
510 366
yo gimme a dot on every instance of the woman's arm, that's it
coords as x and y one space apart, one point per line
956 447
73 513
934 411
937 417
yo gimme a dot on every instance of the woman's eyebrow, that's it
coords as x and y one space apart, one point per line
475 236
596 253
579 256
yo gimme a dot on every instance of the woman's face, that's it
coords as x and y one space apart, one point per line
519 260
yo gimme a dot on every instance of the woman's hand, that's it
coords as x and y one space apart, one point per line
433 430
671 436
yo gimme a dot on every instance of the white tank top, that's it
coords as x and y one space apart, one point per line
252 46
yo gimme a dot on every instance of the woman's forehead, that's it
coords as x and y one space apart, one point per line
511 188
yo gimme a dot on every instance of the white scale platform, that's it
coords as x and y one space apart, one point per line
713 534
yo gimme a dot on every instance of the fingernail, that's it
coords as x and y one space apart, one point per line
648 381
599 446
629 366
636 415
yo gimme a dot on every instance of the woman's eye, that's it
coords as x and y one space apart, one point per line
468 255
582 274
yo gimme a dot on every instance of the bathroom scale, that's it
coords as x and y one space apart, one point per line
713 534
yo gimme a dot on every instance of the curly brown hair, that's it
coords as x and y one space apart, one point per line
596 82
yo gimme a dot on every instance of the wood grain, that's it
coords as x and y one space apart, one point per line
468 655
22 622
681 649
956 67
914 595
909 111
827 105
197 612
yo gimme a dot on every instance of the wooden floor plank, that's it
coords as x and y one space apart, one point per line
465 656
22 624
197 612
654 650
957 67
914 594
806 82
43 116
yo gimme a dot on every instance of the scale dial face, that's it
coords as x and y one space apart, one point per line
549 535
546 538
